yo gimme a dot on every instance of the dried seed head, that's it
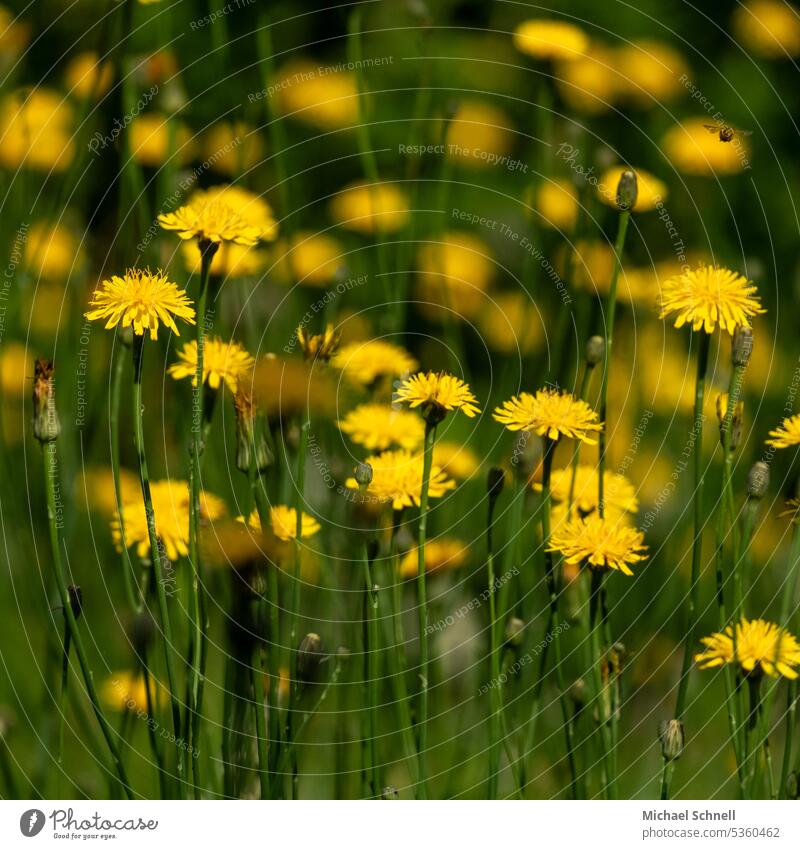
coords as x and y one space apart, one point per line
758 480
595 350
309 655
46 426
671 734
627 191
741 346
515 632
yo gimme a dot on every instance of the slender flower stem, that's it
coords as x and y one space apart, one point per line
603 711
62 695
697 543
372 650
155 553
261 732
495 741
588 371
50 469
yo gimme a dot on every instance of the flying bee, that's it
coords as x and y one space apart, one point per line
725 132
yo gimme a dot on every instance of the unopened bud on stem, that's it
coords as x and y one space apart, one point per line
741 346
627 191
758 480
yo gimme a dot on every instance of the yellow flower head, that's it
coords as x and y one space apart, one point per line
619 494
321 96
437 393
549 39
87 76
457 460
649 70
37 130
125 690
211 220
379 426
318 346
511 323
761 647
150 139
171 511
311 259
549 413
440 554
364 362
397 477
479 135
231 148
557 204
53 252
367 208
793 510
227 361
695 150
252 208
602 543
94 489
787 435
708 296
283 521
589 83
770 28
650 190
142 299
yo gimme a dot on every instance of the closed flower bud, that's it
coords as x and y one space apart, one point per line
250 442
741 346
732 420
46 426
75 599
309 655
671 734
758 480
515 632
363 475
495 481
577 693
792 786
143 631
627 191
595 350
319 346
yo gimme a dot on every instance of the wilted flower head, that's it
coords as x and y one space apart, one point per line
249 437
46 425
761 647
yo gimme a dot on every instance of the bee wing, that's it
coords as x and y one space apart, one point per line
712 128
743 132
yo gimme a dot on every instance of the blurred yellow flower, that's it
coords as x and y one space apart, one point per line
149 140
397 478
619 494
440 554
364 362
52 252
510 323
456 460
15 34
380 426
210 220
650 70
437 393
760 647
603 544
313 259
252 208
284 387
319 95
770 28
222 361
230 261
651 190
37 127
550 39
87 76
366 208
589 83
479 135
549 413
95 489
787 435
232 148
283 521
557 204
124 690
16 368
695 150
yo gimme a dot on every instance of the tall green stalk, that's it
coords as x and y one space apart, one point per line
495 729
372 650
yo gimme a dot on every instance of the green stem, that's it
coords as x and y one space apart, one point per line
61 699
588 371
495 741
372 651
261 732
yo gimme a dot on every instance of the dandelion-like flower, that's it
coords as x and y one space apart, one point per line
170 500
761 647
792 510
551 39
438 394
283 521
213 221
379 426
141 299
618 492
227 361
365 362
550 413
708 296
397 477
602 543
318 346
440 554
126 690
787 435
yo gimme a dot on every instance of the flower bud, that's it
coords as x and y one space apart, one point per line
319 346
363 475
741 346
577 693
249 438
495 481
627 191
595 350
75 599
734 422
309 655
792 786
515 632
671 734
143 631
758 480
46 426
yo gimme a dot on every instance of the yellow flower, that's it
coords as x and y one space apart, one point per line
511 324
367 208
227 361
770 28
708 296
211 220
793 505
397 477
16 367
589 83
52 252
618 492
171 510
142 299
125 690
602 543
787 435
379 426
37 130
318 95
650 189
318 346
549 413
94 488
650 70
557 204
455 459
440 554
14 37
550 39
479 135
232 148
229 262
761 647
437 393
312 259
149 140
694 150
283 521
87 76
364 362
284 387
252 208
